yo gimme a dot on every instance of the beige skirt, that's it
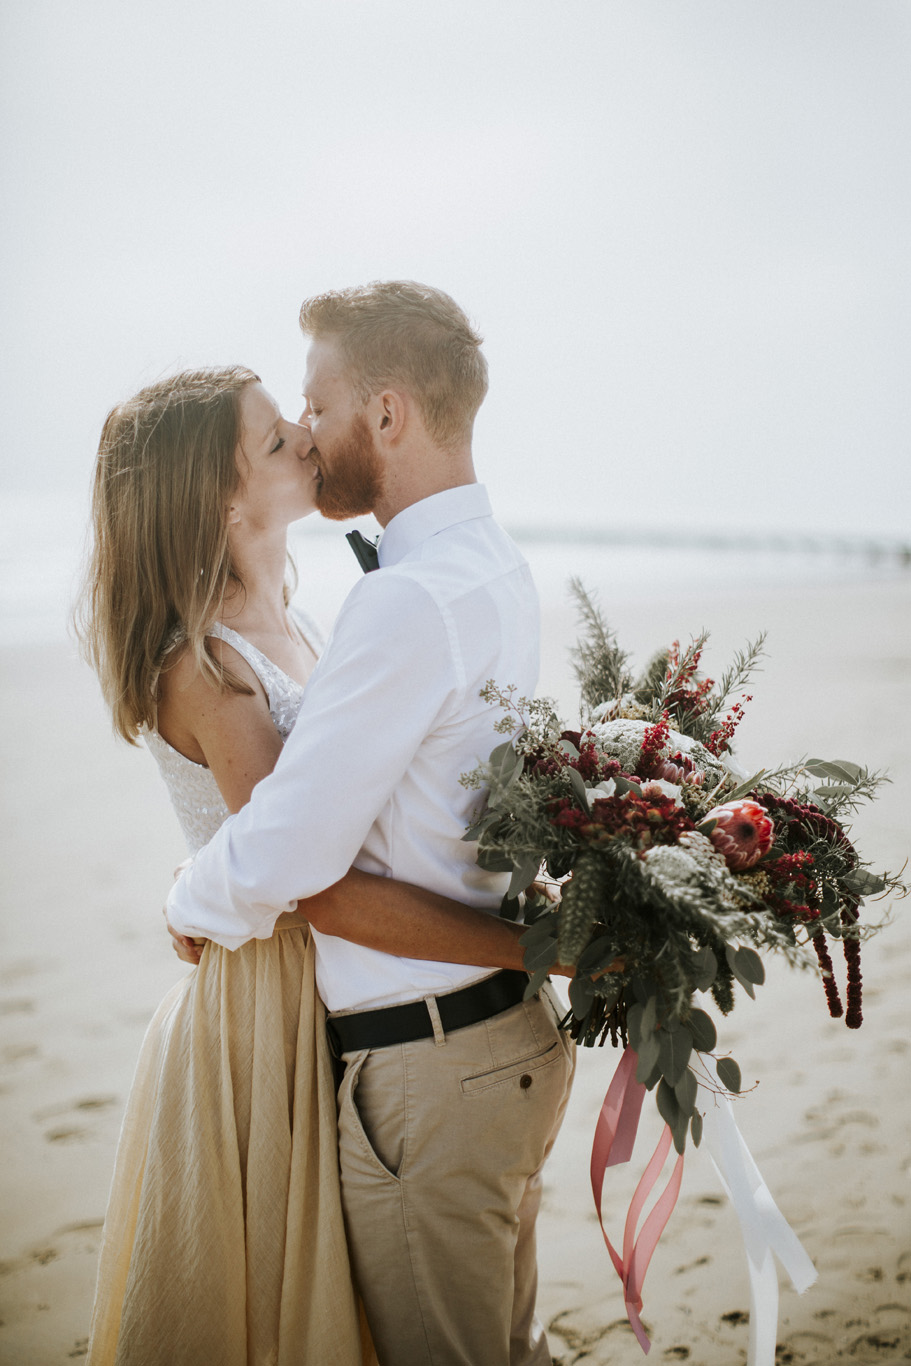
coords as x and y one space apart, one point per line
223 1241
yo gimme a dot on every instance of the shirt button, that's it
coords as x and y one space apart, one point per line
525 1081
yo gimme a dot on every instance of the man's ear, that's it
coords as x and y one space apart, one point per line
391 414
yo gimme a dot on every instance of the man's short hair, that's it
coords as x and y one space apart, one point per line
399 333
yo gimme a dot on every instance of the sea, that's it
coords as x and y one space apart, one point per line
43 546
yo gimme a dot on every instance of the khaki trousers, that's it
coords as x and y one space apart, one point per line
441 1144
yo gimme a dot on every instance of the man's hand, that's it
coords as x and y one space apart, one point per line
188 950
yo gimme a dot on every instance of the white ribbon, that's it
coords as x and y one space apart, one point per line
764 1229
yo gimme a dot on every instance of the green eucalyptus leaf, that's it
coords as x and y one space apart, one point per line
702 1029
524 874
678 1133
505 764
829 791
862 882
540 955
492 861
567 747
729 1074
672 1114
481 824
545 927
706 827
705 967
675 1049
685 1090
648 1057
581 995
743 788
510 907
535 983
666 1101
696 1128
634 1026
746 965
842 770
623 785
650 1015
580 791
653 1078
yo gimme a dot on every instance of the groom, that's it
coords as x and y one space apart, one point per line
453 1089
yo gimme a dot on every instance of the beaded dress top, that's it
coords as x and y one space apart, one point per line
198 804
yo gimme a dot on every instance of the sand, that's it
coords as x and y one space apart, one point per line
88 843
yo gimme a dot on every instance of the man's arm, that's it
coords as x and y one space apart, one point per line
387 674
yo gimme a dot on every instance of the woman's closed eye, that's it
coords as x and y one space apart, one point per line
278 445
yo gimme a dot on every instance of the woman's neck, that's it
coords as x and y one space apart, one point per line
259 604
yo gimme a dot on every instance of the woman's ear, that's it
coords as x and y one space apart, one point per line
233 516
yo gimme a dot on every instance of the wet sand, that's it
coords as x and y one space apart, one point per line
88 843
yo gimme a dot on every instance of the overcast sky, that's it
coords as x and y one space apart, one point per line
683 227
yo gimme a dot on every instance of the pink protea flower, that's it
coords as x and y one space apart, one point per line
679 769
743 833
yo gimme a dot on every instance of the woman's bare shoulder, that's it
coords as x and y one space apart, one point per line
191 699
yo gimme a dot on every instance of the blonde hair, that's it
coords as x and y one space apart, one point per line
160 561
399 332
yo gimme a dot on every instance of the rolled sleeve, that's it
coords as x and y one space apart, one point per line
388 675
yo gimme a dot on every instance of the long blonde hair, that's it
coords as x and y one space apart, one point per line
160 562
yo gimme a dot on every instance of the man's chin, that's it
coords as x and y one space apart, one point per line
333 511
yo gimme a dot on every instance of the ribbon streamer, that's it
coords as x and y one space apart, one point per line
615 1136
764 1229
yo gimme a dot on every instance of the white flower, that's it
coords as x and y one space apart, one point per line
693 862
733 767
621 740
606 788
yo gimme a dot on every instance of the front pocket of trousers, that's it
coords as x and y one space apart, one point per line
512 1071
360 1126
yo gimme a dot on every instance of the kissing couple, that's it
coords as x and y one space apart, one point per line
332 1149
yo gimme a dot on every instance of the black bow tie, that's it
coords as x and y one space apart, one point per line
365 550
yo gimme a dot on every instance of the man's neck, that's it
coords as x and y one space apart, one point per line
411 483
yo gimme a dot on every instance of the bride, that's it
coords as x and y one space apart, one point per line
223 1240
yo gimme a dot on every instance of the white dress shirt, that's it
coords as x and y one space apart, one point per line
370 774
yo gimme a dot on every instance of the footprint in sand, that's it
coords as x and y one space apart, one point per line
74 1132
19 1052
682 1270
19 1005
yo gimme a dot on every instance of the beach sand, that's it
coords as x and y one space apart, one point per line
88 844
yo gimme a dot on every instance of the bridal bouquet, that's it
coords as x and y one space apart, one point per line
678 871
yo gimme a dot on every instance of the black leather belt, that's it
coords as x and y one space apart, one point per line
405 1023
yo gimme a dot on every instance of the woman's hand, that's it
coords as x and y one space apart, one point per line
188 950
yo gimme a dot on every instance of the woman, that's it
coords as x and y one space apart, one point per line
223 1240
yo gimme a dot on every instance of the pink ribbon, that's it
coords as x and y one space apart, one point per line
615 1136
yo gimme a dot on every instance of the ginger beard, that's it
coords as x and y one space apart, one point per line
354 484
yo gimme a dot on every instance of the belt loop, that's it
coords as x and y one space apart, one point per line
433 1010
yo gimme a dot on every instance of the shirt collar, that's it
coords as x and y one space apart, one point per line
430 516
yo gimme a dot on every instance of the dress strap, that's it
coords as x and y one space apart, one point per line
261 665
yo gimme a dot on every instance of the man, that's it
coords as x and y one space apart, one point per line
453 1088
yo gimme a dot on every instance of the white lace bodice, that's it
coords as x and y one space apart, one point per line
198 804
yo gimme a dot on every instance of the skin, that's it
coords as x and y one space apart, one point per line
412 465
